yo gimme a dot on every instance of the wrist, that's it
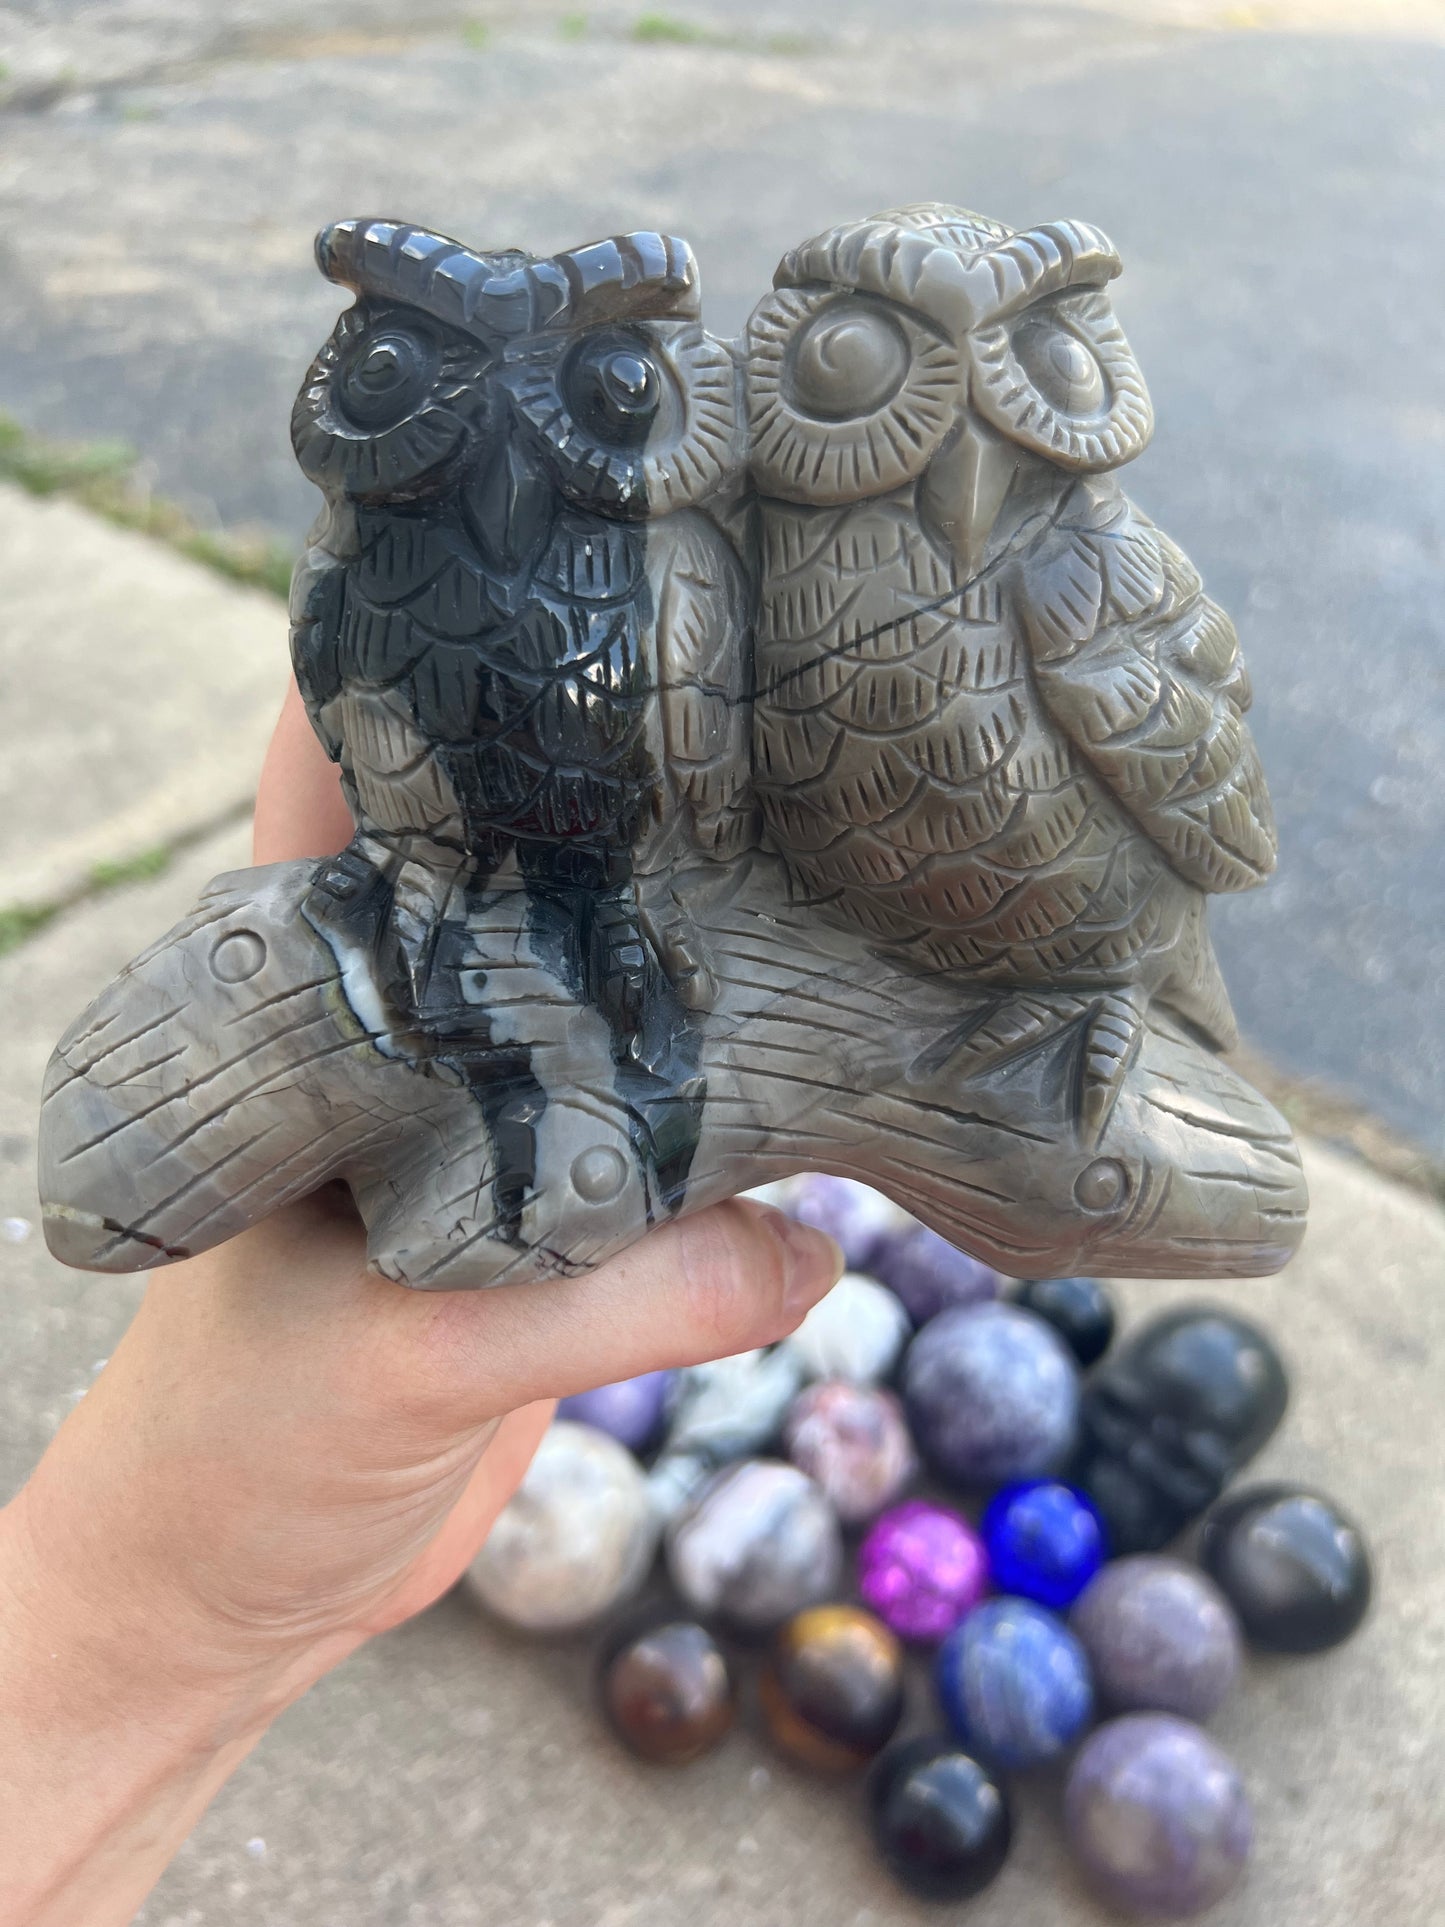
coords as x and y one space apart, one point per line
115 1732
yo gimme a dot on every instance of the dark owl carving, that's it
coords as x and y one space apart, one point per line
518 635
998 724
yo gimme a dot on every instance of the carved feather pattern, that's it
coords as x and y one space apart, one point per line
1143 672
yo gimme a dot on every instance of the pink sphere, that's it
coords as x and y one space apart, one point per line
922 1569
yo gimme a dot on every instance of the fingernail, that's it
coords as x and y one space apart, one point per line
814 1264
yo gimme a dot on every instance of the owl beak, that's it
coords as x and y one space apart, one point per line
964 489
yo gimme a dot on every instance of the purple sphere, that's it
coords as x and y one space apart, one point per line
853 1442
929 1274
853 1215
992 1393
631 1411
1160 1636
1157 1816
922 1568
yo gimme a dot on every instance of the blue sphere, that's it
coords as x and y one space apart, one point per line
1014 1684
1045 1541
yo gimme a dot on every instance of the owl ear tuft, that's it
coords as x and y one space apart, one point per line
502 295
1058 258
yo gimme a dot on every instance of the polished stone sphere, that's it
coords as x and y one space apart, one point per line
1170 1417
1045 1541
854 1215
853 1441
1160 1636
732 1408
1157 1816
631 1411
921 1568
992 1394
940 1819
832 1690
575 1539
755 1544
667 1691
1291 1564
1014 1684
929 1274
1079 1309
857 1332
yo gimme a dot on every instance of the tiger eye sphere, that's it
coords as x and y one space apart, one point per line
667 1692
832 1691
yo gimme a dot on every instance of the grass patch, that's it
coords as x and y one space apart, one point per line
661 29
476 33
22 920
132 869
665 30
101 476
573 26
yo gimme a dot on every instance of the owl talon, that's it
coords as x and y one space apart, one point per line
686 968
1112 1038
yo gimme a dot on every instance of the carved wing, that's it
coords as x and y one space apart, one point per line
1143 672
704 673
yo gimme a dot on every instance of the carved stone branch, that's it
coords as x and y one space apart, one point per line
226 1073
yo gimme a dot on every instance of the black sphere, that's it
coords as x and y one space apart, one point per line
1079 1309
940 1820
1170 1417
1291 1564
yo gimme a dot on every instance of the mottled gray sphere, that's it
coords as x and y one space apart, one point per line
992 1393
1157 1816
1160 1636
575 1539
857 1332
756 1544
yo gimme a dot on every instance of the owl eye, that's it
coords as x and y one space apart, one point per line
847 397
1063 368
384 377
633 421
614 390
388 406
846 363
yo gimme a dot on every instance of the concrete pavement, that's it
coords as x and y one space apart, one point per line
137 692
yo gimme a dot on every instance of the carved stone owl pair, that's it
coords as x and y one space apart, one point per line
784 755
981 703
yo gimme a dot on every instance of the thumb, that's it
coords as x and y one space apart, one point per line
735 1276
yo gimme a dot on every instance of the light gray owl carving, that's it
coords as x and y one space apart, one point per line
998 725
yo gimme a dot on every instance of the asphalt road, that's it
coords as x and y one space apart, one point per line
1278 196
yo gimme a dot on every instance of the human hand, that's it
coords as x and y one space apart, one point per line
288 1454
